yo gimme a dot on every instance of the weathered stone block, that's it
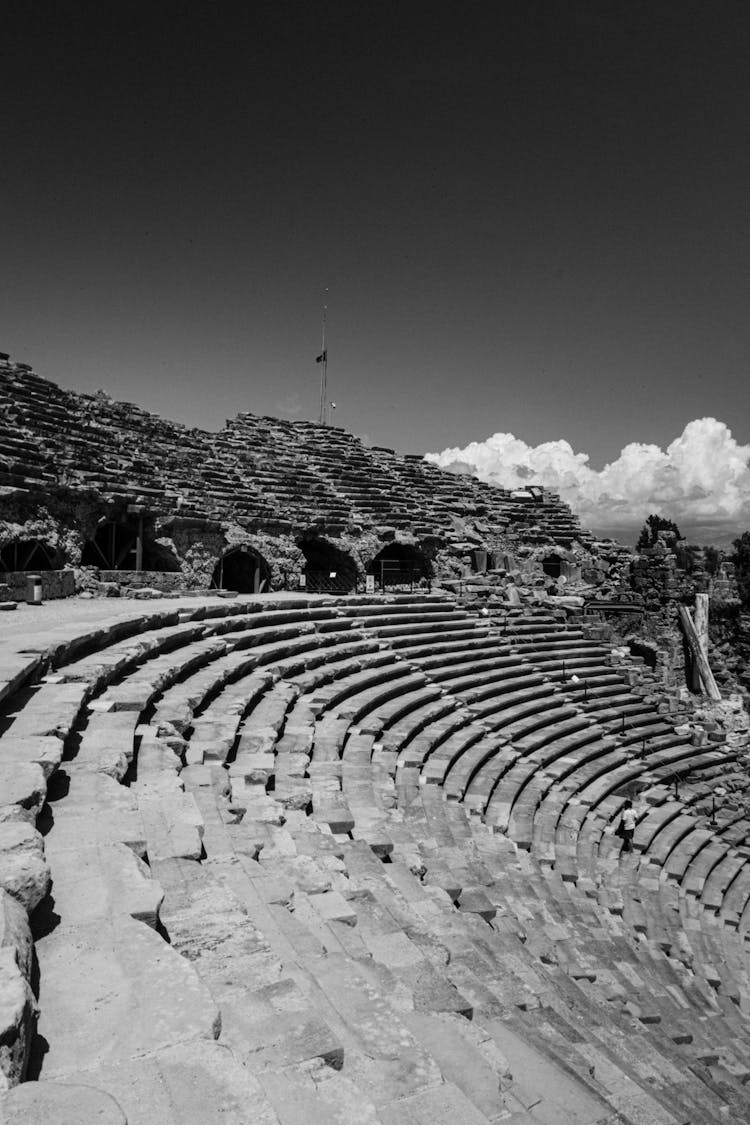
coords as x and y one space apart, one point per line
24 872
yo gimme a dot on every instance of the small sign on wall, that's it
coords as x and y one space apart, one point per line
302 581
370 583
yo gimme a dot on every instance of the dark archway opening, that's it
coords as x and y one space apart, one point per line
401 566
114 546
552 565
128 544
328 570
27 554
242 569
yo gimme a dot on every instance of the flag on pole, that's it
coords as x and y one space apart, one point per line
322 358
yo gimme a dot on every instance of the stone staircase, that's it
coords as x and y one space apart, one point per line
353 860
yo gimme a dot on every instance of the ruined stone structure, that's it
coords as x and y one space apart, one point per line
87 481
349 860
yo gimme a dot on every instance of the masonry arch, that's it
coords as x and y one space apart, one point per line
113 545
242 569
127 543
328 569
401 565
27 554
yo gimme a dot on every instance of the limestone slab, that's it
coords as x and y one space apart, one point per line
91 881
15 934
59 1103
196 1083
107 743
24 872
314 1094
44 750
17 1020
276 1026
440 1105
114 990
22 784
51 710
208 925
173 824
332 907
79 815
385 1060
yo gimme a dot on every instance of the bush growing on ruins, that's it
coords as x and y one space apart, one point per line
651 529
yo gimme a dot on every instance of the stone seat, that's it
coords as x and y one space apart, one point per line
735 899
406 631
400 734
448 750
511 683
671 833
336 694
499 710
413 646
384 716
442 659
488 671
518 722
720 879
475 772
701 866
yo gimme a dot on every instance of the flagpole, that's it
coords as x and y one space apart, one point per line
324 371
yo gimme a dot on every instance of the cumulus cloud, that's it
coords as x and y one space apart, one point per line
702 479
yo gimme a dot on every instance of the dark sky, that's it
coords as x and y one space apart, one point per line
531 217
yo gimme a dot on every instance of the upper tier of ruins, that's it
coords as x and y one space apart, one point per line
71 463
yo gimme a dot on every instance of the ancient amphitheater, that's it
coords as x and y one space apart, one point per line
341 848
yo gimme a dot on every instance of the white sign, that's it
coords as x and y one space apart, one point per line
370 583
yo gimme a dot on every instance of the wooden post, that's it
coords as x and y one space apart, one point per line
701 620
139 544
699 656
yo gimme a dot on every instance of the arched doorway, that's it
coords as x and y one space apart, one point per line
128 544
114 546
400 566
26 554
242 569
328 570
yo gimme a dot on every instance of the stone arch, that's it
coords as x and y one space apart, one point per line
242 569
27 554
115 546
328 569
400 564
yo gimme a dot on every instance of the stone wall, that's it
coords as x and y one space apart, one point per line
138 579
72 466
55 584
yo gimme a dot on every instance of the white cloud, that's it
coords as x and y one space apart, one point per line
702 478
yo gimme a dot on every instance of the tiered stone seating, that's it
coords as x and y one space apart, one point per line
257 470
300 796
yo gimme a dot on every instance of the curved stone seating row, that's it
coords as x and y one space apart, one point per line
531 790
358 889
